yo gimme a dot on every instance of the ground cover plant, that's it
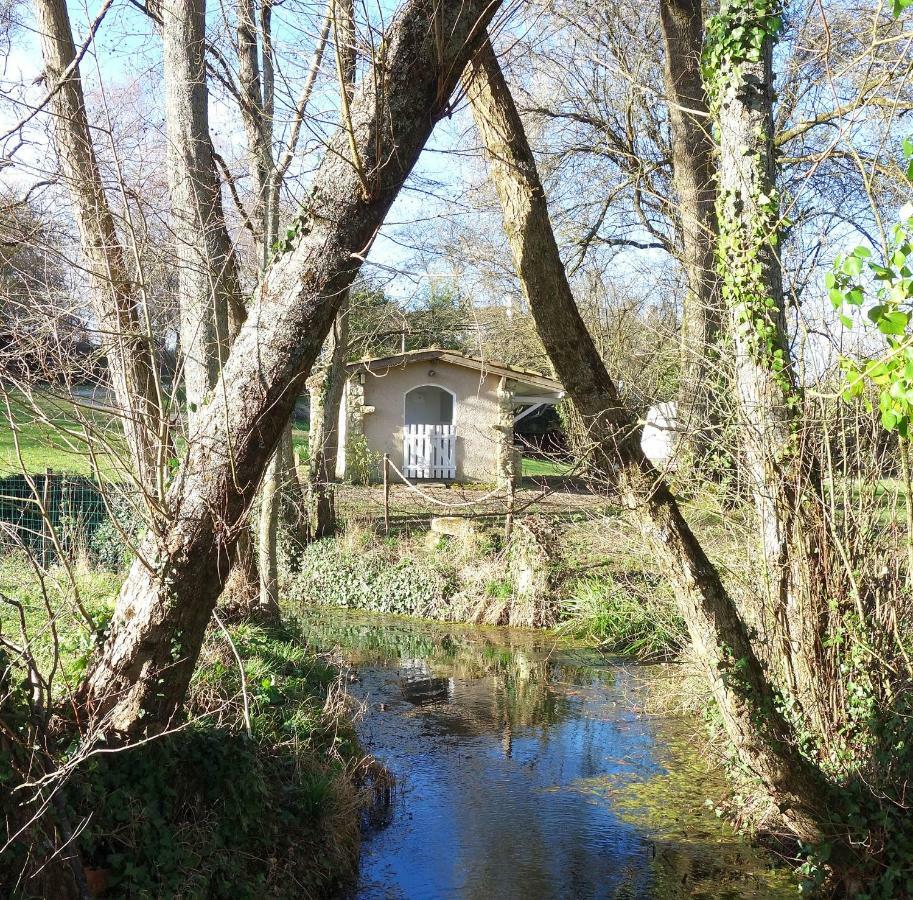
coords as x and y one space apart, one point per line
258 792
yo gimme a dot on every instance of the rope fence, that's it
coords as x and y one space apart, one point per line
508 492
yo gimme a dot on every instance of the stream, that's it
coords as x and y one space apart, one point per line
529 767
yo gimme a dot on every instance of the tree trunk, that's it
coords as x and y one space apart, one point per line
746 700
268 537
207 275
209 291
323 442
693 176
783 474
326 389
138 681
281 497
126 335
257 127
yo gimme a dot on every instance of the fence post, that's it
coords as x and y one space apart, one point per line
386 493
45 516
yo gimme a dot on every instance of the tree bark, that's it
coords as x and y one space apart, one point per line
139 680
326 390
126 336
207 274
209 290
281 491
782 471
745 698
257 127
693 175
326 398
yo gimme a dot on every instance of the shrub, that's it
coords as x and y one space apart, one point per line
107 546
217 809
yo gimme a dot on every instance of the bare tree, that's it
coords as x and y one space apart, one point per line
746 700
694 178
122 316
327 385
139 679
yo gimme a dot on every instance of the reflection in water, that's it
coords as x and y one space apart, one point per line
528 772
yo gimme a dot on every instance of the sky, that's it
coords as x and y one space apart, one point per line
126 58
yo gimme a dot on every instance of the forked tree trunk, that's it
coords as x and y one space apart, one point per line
745 698
139 679
783 473
126 334
693 175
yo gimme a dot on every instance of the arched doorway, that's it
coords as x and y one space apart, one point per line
429 404
429 436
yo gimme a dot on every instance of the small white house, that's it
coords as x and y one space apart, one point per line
438 414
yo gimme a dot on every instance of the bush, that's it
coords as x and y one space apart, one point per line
107 546
218 809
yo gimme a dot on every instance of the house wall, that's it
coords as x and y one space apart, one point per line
475 413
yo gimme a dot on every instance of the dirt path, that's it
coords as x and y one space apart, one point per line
544 496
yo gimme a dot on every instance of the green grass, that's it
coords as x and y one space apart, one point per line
25 596
300 441
48 433
253 798
541 467
51 435
624 613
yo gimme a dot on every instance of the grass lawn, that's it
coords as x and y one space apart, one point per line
540 467
51 436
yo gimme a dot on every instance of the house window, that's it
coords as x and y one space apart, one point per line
429 405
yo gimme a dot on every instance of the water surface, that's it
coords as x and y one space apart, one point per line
530 768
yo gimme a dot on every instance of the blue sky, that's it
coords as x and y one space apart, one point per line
126 58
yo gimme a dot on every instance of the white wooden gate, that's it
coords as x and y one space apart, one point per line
429 451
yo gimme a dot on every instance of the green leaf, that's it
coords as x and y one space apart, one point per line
894 322
880 272
852 265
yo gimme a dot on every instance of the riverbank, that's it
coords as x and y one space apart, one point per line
260 792
573 573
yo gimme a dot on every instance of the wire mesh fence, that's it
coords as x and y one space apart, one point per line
47 513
